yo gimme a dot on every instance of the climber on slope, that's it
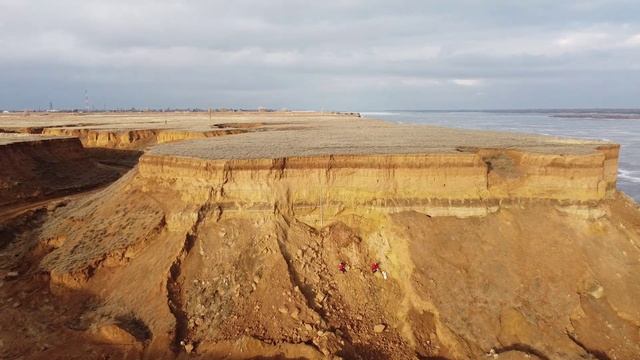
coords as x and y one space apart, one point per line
375 267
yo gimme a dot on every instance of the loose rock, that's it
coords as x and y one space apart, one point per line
379 328
596 292
11 275
295 313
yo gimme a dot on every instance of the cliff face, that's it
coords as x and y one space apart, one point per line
35 169
483 252
439 183
134 138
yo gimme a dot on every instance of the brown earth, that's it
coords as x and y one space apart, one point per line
490 246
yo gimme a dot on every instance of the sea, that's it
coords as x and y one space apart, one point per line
619 126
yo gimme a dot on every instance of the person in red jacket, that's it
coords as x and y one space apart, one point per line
375 267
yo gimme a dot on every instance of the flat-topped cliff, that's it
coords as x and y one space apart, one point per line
396 167
330 236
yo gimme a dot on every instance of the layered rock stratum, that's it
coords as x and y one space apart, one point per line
228 245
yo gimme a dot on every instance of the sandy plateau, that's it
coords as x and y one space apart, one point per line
219 236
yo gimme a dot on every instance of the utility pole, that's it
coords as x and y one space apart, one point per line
86 100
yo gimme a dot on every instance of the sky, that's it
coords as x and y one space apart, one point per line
353 55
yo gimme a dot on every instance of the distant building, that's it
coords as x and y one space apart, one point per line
5 112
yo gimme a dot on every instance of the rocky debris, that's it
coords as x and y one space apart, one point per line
328 343
295 314
597 291
379 328
11 275
114 334
320 297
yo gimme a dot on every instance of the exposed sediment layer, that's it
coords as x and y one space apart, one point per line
485 177
134 138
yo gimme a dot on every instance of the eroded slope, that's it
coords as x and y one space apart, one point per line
537 277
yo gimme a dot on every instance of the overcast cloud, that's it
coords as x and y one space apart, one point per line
342 55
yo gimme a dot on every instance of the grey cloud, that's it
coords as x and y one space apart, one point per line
343 54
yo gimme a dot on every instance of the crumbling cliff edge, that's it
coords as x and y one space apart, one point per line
436 183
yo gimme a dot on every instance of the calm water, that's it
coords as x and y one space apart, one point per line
607 126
